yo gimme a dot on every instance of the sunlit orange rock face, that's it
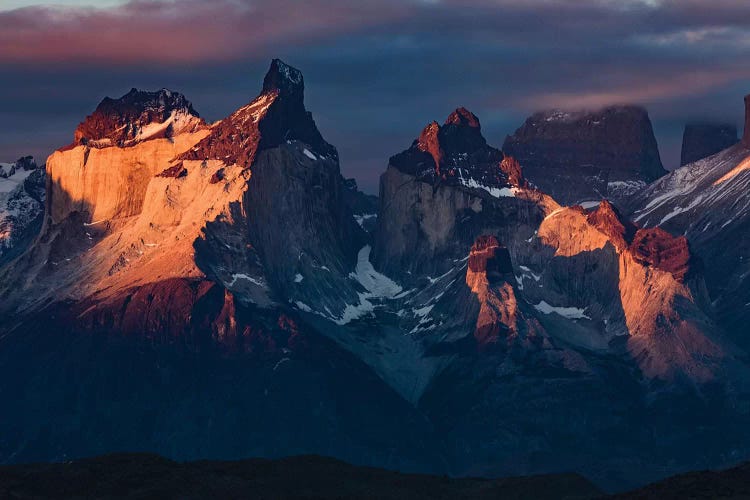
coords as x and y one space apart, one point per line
148 191
489 275
608 220
512 170
667 332
430 143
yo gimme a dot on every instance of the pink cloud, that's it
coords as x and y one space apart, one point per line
645 90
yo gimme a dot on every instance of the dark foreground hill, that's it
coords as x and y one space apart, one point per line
151 476
731 483
143 475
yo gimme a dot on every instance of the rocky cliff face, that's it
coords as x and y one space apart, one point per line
221 268
203 203
520 304
582 156
22 194
707 202
446 176
701 140
189 257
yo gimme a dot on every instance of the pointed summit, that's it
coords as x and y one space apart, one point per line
462 132
276 116
608 219
285 79
457 153
462 116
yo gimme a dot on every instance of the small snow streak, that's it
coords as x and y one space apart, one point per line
566 312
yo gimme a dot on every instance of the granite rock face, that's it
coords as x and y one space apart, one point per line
479 329
582 156
707 202
518 301
188 260
701 140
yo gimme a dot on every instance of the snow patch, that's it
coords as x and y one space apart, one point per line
566 312
302 306
504 192
362 218
588 205
9 184
242 276
309 154
378 286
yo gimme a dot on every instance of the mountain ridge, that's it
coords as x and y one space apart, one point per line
476 325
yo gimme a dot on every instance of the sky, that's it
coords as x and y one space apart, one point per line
376 71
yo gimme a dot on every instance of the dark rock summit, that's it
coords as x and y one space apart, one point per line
121 121
431 191
700 140
583 156
276 116
457 153
746 133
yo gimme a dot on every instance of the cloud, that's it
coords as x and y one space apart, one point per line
644 91
196 31
378 70
177 31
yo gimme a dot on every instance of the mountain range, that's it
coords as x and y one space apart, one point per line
219 290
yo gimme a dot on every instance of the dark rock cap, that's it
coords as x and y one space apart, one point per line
657 248
576 156
276 116
452 150
285 79
120 119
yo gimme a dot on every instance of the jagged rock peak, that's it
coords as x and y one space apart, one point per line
746 134
455 151
701 140
118 122
513 171
463 117
608 219
285 79
276 116
461 133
